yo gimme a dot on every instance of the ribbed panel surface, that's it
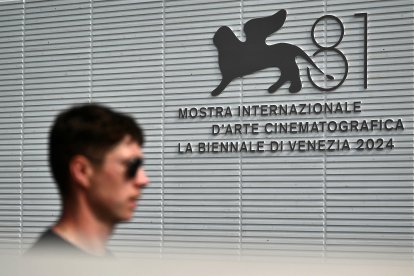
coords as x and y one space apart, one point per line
369 194
202 193
56 75
128 75
282 193
11 111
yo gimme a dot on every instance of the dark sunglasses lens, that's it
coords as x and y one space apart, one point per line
133 167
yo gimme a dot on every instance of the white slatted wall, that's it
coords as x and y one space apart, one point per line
201 194
56 75
127 75
369 195
11 24
149 58
283 193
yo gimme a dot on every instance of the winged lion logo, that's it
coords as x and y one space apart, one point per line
238 59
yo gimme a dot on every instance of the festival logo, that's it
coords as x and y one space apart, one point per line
238 59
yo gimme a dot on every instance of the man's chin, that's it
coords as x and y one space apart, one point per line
126 217
125 213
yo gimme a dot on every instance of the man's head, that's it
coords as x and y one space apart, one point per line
96 153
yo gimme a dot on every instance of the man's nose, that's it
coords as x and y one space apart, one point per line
141 178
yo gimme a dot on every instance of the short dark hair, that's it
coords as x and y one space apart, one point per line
90 130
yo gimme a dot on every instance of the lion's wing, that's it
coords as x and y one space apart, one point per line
258 29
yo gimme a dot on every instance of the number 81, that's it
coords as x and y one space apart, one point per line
333 48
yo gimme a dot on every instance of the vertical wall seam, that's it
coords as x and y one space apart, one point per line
162 124
22 130
412 62
324 135
91 52
241 137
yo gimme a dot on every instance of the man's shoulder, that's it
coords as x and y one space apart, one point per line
49 237
51 243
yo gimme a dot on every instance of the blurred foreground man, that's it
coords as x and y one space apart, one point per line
96 159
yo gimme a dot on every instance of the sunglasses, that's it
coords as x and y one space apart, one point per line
133 166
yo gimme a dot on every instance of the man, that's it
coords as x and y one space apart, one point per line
96 160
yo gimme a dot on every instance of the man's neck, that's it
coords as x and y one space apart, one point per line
84 230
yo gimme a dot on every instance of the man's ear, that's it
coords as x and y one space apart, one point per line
80 170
